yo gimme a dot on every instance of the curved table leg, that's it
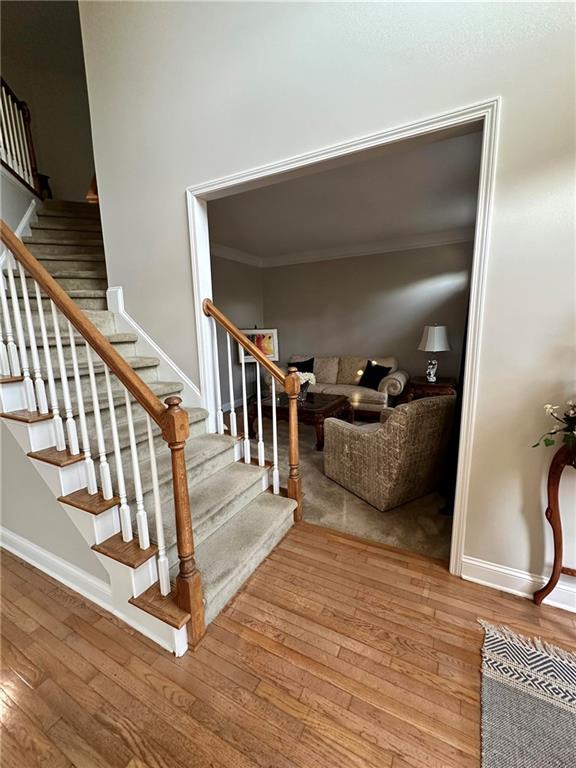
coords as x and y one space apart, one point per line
564 457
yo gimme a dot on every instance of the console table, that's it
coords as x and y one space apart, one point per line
420 387
565 456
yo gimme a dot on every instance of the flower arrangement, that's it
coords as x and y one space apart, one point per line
565 425
308 378
305 380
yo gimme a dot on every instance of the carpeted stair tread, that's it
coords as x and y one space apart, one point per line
61 237
136 363
70 223
213 499
113 338
234 551
204 447
74 293
69 208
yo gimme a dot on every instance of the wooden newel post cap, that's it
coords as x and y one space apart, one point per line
292 382
176 424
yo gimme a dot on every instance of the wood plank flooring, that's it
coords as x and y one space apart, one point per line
338 653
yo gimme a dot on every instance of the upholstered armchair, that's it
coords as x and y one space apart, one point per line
395 461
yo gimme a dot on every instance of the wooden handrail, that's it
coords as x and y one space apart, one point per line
212 311
172 420
291 383
99 343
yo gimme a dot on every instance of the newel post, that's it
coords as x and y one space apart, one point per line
189 595
292 389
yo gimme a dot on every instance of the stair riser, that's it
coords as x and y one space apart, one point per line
69 209
148 375
89 283
118 405
73 223
63 236
83 303
165 481
78 252
205 528
126 349
57 265
103 320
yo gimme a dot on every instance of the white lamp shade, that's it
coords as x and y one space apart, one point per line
434 339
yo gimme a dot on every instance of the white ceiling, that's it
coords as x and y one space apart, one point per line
410 193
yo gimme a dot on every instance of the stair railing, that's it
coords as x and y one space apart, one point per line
16 146
289 381
71 343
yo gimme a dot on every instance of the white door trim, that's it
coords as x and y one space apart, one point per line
198 195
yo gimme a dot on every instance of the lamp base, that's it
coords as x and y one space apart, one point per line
431 368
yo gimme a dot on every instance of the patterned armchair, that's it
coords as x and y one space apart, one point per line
395 461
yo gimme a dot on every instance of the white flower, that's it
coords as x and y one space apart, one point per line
550 409
307 377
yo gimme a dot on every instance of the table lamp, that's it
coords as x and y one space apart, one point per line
434 339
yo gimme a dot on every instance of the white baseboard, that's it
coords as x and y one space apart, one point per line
191 395
517 582
92 588
87 585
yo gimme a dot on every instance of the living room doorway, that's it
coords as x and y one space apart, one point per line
251 232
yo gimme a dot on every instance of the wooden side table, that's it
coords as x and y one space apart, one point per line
419 387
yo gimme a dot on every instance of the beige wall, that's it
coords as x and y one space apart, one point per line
42 62
372 305
182 93
29 509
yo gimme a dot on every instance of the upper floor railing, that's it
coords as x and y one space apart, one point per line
289 382
16 147
71 372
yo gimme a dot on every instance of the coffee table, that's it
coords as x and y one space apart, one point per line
313 411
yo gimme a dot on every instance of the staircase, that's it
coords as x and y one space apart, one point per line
129 520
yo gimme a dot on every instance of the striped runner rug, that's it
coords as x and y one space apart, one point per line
528 702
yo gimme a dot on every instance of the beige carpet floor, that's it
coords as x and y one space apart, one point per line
417 526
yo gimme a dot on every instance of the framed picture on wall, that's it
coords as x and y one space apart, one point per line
266 339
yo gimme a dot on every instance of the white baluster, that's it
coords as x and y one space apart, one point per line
28 385
39 387
91 484
12 121
163 568
219 411
261 459
56 418
125 519
11 348
73 445
141 518
275 471
245 408
105 478
233 426
4 362
26 164
12 161
3 134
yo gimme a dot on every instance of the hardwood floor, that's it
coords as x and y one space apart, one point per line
338 653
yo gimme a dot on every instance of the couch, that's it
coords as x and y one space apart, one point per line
340 376
395 461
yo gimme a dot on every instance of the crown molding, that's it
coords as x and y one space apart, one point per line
393 245
234 254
